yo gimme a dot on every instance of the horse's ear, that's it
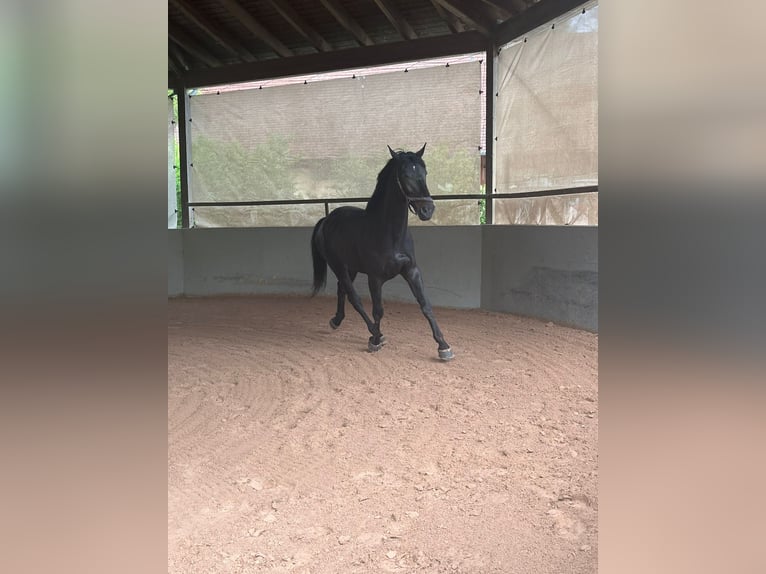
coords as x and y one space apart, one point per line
419 153
392 152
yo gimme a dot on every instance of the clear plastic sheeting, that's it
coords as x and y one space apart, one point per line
327 138
574 209
300 215
546 121
453 212
172 202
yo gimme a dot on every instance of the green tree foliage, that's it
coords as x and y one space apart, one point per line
233 173
451 170
353 176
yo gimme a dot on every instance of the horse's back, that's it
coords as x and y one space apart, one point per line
346 212
345 220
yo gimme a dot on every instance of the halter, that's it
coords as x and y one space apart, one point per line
411 199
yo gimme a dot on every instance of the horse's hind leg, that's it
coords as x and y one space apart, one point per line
353 297
376 291
341 311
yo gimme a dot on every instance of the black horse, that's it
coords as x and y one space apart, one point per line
375 241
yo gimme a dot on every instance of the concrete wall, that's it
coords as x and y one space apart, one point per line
278 260
246 261
538 271
175 263
545 272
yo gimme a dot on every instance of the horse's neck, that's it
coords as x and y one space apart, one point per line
390 210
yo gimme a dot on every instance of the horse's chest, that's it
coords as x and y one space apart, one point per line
393 266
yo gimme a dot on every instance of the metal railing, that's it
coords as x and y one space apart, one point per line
327 201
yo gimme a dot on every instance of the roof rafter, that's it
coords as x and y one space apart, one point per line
534 16
455 25
219 35
258 30
176 56
471 14
397 20
304 29
190 45
175 67
499 9
519 5
347 21
360 57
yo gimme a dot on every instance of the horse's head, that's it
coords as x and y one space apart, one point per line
411 181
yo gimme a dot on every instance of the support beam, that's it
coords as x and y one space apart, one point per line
297 21
187 43
216 33
184 144
534 16
498 9
249 22
397 20
455 25
347 21
489 163
513 7
470 14
378 55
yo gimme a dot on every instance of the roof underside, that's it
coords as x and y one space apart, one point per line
216 41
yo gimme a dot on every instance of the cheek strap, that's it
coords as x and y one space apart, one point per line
411 199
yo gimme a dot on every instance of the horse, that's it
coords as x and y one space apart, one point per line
376 241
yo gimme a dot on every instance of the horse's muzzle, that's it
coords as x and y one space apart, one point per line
424 209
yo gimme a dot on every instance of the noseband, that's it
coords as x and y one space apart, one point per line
409 198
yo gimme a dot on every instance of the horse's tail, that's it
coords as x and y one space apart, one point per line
320 265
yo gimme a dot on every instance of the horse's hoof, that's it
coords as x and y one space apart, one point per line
446 354
371 344
333 325
372 347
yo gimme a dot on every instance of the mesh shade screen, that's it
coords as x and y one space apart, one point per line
547 121
172 215
328 138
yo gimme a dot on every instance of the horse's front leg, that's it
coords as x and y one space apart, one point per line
415 281
377 340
